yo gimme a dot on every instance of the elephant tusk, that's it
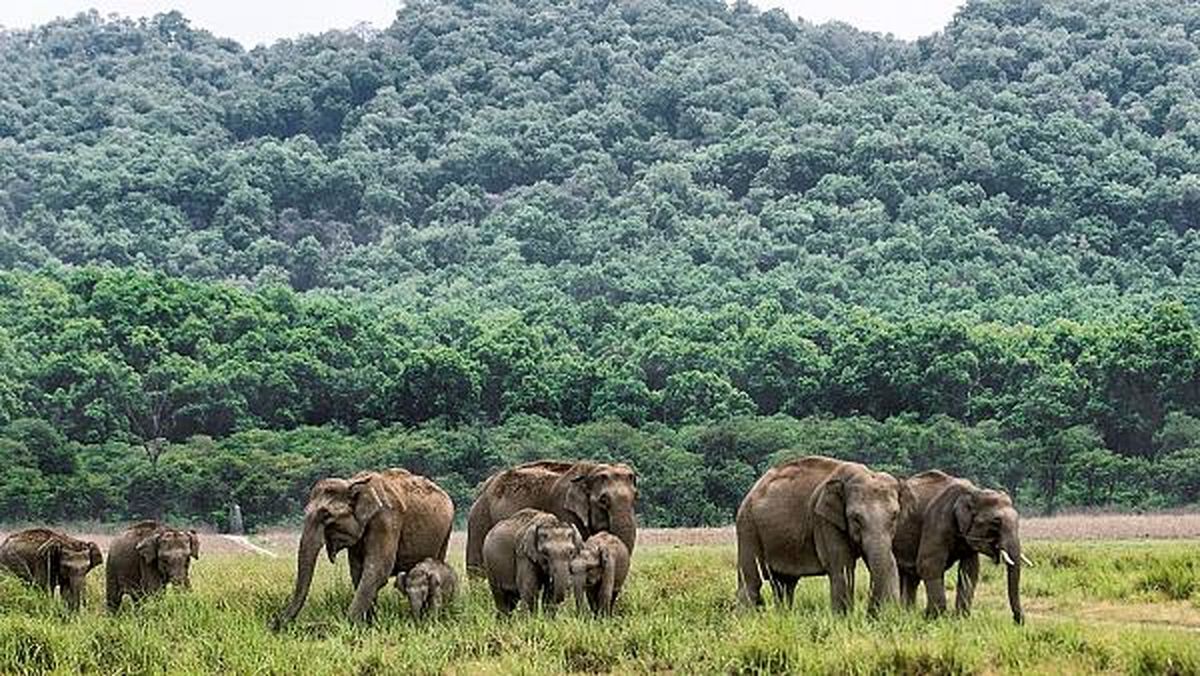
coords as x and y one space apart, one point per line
1008 560
1025 560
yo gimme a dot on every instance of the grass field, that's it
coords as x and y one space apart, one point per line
1093 607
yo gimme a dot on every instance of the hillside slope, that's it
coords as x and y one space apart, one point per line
1034 160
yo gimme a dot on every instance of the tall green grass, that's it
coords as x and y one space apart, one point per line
678 614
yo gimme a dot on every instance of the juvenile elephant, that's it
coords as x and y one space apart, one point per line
594 497
818 516
429 586
146 557
954 521
51 561
598 572
529 555
388 521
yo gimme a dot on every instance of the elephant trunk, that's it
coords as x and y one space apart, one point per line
581 604
1011 553
623 524
560 579
306 559
72 592
419 601
885 577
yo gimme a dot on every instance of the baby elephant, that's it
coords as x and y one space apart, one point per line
51 561
430 586
529 555
147 557
598 571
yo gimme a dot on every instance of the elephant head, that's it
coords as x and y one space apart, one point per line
170 552
337 516
551 547
68 562
421 588
988 521
601 498
865 506
587 567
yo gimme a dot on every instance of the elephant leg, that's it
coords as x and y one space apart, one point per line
112 590
836 557
841 589
908 589
935 593
503 599
784 587
528 585
749 592
968 578
378 548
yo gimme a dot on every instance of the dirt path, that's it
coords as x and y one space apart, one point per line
210 543
1072 527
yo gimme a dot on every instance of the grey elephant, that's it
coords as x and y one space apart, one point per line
594 497
430 586
527 556
51 561
819 516
598 573
145 558
388 521
954 521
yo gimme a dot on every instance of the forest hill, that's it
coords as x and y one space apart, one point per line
255 394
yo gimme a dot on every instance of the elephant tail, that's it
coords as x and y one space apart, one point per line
478 525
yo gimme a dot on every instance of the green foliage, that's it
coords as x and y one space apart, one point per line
640 231
1031 161
145 395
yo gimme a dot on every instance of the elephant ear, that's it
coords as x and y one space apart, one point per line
95 558
194 542
908 499
367 500
527 546
578 499
148 548
831 503
964 511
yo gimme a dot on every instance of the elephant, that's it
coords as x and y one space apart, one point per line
528 554
146 557
954 521
51 561
818 516
429 586
388 521
594 497
598 572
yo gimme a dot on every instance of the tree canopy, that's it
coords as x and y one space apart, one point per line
692 235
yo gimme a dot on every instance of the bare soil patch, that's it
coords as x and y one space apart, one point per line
210 543
1069 527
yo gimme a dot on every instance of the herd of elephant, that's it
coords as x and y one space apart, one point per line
542 529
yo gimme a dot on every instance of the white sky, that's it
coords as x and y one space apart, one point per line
252 22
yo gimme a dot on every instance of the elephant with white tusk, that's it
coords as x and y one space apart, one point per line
954 521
